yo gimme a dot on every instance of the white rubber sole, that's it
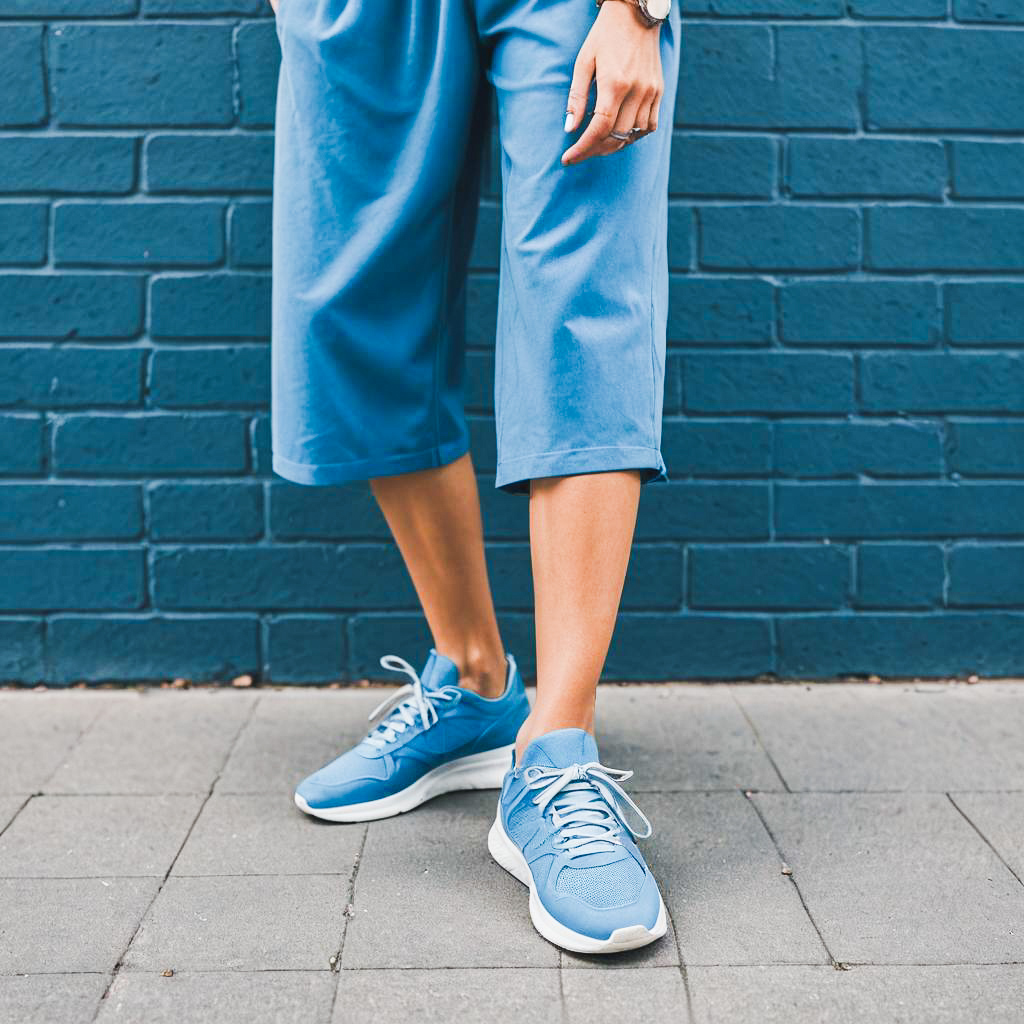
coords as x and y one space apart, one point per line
510 857
476 771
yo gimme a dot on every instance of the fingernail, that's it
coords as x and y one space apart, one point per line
568 121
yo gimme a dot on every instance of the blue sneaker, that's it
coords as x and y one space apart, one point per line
435 737
560 829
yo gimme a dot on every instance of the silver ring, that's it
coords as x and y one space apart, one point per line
621 136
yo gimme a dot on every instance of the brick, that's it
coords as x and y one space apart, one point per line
853 448
733 77
817 646
480 382
163 8
47 579
70 305
64 377
945 238
654 579
722 165
765 8
146 75
985 312
201 511
21 651
717 310
900 576
942 382
152 648
249 230
882 9
783 576
716 646
483 445
67 163
886 168
986 447
209 376
117 234
726 448
898 510
209 163
486 248
481 309
22 232
704 511
58 511
763 383
300 576
153 444
986 575
933 78
988 170
66 8
211 306
259 437
325 513
779 238
306 649
259 57
21 445
680 236
22 87
859 313
1005 11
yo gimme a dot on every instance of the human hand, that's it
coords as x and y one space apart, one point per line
624 55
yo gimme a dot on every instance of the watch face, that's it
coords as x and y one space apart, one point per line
658 8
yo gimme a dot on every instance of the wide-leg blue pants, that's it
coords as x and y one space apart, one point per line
382 119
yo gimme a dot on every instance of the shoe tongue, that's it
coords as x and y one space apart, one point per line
561 748
439 671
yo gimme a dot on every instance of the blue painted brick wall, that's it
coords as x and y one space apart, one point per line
845 387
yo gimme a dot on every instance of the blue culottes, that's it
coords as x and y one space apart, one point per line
382 121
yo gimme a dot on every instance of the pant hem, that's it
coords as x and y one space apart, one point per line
366 469
514 475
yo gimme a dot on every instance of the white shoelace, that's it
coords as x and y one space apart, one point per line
403 707
583 803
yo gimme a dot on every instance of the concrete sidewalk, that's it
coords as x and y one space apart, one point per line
827 853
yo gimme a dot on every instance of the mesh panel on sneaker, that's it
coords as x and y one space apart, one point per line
521 824
603 886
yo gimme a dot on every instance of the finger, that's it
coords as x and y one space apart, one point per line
579 88
609 99
645 117
631 115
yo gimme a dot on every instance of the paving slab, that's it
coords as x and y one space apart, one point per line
898 878
292 734
681 738
228 997
89 836
159 741
646 994
879 995
38 729
9 807
51 998
722 880
64 925
250 923
445 996
428 894
999 817
265 835
891 737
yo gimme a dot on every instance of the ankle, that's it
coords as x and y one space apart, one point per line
485 673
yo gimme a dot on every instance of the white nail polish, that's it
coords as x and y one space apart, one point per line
568 121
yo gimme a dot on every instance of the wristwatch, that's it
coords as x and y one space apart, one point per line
652 12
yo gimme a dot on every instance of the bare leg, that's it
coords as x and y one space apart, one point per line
434 516
581 530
